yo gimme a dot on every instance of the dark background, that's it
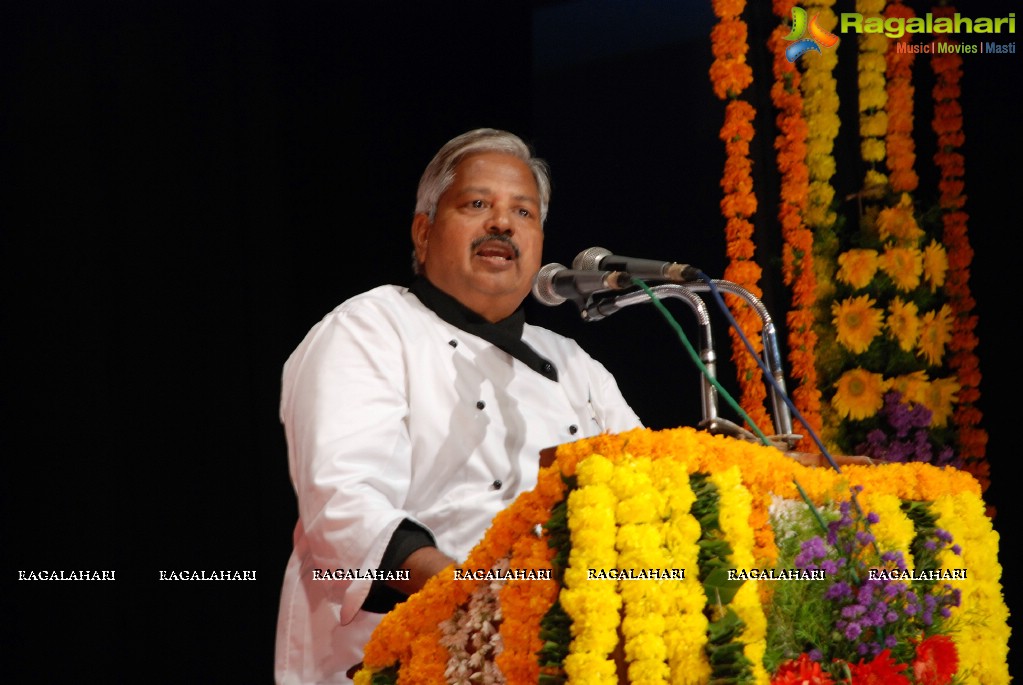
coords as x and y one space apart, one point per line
191 185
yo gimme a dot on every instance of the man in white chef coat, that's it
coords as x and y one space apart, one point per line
413 415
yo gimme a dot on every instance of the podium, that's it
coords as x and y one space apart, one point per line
678 556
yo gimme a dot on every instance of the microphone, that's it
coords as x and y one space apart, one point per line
554 284
599 259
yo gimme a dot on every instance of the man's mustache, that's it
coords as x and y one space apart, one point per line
500 237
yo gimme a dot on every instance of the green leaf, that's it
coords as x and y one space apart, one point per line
718 588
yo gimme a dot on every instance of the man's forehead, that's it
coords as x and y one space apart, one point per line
467 173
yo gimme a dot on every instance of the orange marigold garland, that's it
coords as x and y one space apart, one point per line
948 125
797 251
899 138
730 75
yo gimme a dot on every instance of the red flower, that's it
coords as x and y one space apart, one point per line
936 661
883 670
801 671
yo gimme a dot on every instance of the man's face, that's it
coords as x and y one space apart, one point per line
484 245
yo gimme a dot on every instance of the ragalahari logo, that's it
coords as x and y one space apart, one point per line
818 37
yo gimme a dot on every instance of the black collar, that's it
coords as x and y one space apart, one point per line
506 334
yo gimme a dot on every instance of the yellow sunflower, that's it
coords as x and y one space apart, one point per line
912 386
898 223
857 322
859 394
939 396
935 333
857 267
935 265
903 323
903 265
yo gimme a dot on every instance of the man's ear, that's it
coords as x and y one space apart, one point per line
421 226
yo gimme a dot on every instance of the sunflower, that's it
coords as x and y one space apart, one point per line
857 322
857 267
897 223
935 264
903 323
939 395
903 265
859 394
912 386
935 333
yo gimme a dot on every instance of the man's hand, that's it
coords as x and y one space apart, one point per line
423 564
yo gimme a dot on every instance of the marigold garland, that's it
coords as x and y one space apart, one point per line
819 90
735 509
873 96
685 630
593 606
948 125
899 136
797 250
983 636
730 75
632 509
641 544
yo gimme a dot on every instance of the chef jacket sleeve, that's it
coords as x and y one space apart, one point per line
345 411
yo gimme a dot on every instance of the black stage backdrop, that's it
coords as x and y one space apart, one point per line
192 185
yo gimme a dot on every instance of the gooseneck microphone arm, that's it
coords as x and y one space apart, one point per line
600 309
781 416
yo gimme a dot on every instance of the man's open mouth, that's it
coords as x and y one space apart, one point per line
496 247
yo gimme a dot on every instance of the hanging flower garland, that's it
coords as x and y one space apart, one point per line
948 125
873 98
899 143
820 102
797 252
730 75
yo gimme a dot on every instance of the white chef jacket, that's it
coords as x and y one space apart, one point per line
391 413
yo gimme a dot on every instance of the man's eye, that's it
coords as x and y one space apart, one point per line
477 204
525 212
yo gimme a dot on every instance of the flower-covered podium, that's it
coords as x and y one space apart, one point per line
677 556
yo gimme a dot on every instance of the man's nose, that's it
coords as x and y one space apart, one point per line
500 220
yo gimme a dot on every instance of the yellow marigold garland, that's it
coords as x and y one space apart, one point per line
730 75
685 629
982 617
820 109
873 95
948 125
735 507
641 544
593 605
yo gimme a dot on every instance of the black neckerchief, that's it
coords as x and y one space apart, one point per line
506 334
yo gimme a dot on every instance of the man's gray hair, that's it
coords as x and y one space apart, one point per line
440 172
